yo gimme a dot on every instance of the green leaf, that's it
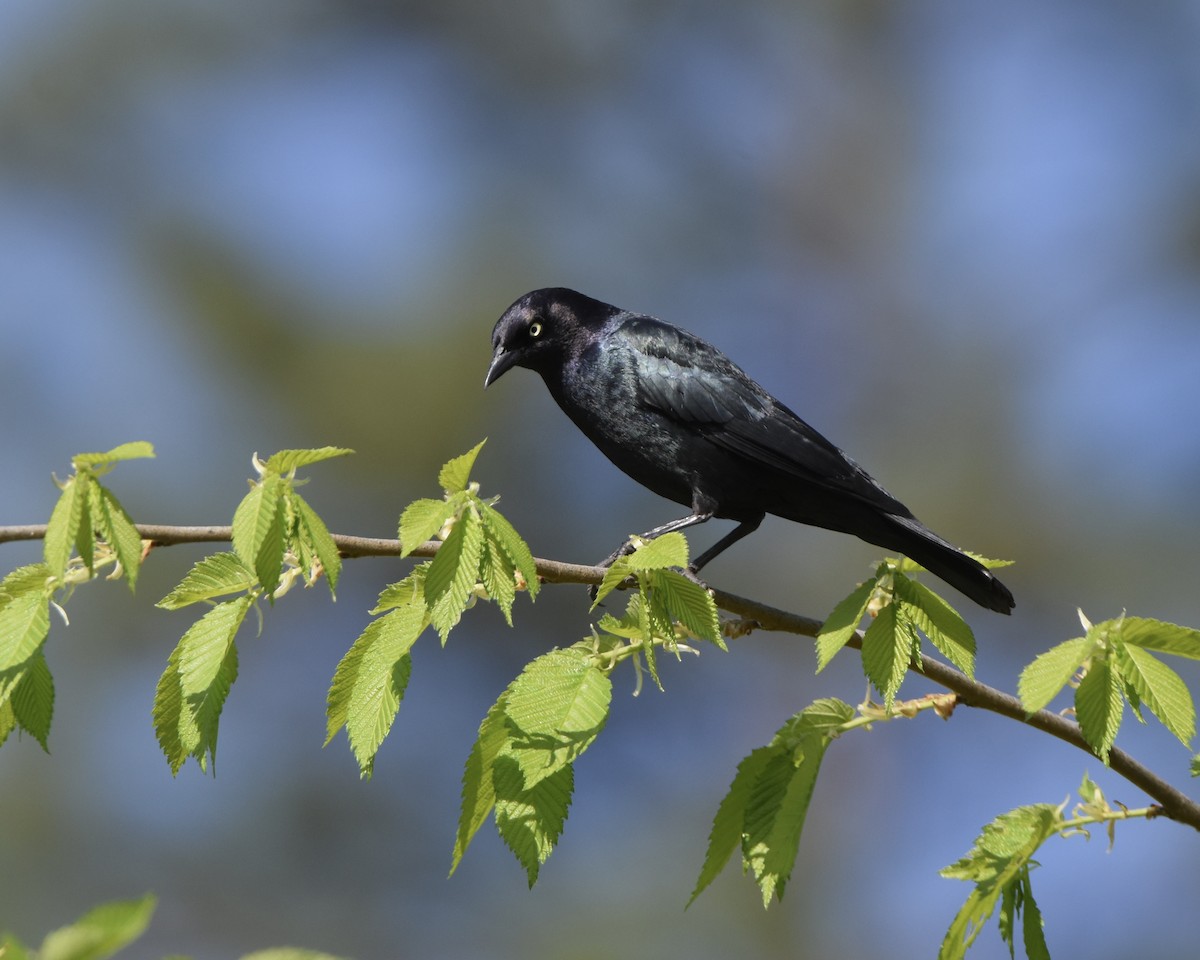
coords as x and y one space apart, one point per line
999 858
887 650
551 713
115 526
258 530
214 576
453 573
24 613
370 681
422 519
530 820
32 700
669 550
555 709
842 623
315 536
939 621
8 723
1099 705
499 577
502 533
65 521
618 571
727 829
689 603
1160 636
1194 766
286 461
1160 688
85 533
192 690
100 932
1032 930
456 473
1051 671
478 792
135 450
778 803
409 590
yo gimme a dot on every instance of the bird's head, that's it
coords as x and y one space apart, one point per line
542 329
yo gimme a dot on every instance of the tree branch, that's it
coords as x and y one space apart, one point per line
1175 804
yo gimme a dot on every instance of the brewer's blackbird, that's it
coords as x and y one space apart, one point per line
682 419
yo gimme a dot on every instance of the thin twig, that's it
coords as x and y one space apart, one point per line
1175 804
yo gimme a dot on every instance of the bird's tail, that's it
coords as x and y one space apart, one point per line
946 561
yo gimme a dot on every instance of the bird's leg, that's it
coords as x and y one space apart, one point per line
627 547
733 536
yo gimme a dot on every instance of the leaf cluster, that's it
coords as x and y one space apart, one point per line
1112 665
88 531
901 610
479 555
278 540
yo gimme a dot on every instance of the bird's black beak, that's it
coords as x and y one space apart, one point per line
501 360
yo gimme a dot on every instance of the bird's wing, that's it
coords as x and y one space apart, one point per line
690 381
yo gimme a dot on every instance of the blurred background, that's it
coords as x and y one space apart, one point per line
962 239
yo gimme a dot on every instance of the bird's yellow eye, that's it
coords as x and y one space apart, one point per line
535 328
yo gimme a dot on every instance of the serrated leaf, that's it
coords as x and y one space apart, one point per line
1033 934
32 700
214 576
669 550
453 573
285 461
728 824
887 650
768 800
370 681
63 528
478 792
313 533
940 622
456 474
192 689
85 533
258 530
421 520
842 623
1099 705
1001 854
775 814
1160 688
689 603
554 710
1041 681
134 450
503 534
100 932
116 527
24 613
499 578
409 590
1160 636
616 574
530 821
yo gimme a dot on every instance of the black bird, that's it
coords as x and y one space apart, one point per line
682 419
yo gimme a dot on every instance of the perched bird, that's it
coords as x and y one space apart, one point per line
682 419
